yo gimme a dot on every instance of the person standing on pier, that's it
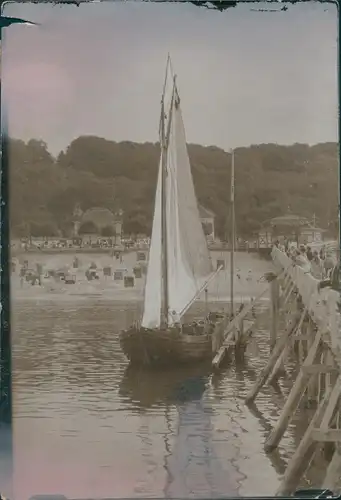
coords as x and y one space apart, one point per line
322 253
310 254
316 266
22 276
334 280
301 260
329 264
39 269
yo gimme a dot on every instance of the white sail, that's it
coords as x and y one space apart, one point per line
189 263
153 289
188 260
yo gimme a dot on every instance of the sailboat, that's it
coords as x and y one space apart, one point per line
179 266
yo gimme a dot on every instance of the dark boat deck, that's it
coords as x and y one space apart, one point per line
166 347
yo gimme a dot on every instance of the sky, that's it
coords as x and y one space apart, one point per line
244 76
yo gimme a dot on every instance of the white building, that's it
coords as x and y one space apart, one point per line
207 218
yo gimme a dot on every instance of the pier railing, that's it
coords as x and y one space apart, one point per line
322 306
312 334
305 326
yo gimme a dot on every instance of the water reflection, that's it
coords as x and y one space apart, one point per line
107 430
193 468
147 388
276 458
191 464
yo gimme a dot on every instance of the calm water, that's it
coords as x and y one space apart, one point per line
85 425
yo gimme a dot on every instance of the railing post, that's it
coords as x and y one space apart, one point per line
274 294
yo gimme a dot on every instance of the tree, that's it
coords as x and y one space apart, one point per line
88 228
46 230
97 172
135 223
108 231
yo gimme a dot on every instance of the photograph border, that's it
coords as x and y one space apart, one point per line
5 244
6 443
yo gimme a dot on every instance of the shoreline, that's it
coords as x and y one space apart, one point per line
114 296
48 251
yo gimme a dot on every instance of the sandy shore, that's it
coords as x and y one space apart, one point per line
248 279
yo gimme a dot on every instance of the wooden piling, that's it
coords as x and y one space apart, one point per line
286 285
274 296
312 389
294 397
332 480
276 353
279 368
287 295
240 343
307 446
312 332
328 361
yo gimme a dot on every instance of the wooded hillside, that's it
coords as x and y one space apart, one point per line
97 172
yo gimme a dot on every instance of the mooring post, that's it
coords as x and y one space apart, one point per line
274 294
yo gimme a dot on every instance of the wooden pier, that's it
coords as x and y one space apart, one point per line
306 327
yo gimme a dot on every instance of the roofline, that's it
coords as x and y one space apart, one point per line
102 209
115 217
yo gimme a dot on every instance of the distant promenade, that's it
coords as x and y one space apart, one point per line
17 249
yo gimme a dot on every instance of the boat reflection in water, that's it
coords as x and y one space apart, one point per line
192 466
147 388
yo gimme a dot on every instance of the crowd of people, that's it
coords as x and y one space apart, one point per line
323 264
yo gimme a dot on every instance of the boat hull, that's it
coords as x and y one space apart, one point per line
166 347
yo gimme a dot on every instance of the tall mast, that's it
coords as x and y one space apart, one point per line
232 233
164 302
164 244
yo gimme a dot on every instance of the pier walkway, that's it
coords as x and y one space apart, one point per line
305 328
312 336
321 306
